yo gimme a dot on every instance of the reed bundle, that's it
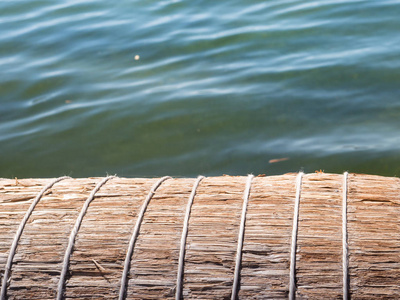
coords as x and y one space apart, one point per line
99 250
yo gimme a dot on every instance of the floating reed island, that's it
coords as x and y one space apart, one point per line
305 236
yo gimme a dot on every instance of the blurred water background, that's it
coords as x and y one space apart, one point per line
151 88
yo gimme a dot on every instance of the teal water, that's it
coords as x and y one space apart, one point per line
151 88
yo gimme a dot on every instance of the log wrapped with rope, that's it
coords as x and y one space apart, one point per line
308 236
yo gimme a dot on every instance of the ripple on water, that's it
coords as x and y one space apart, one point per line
148 88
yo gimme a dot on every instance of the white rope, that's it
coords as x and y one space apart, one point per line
179 280
344 242
127 264
236 278
18 234
72 237
292 283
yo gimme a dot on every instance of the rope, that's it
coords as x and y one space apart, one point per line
179 280
236 278
123 287
18 234
344 242
74 232
292 283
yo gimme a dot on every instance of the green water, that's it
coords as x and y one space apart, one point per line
217 88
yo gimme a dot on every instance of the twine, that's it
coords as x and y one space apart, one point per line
18 234
236 278
127 264
344 241
292 283
72 237
179 280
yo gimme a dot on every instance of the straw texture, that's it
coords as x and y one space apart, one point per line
212 232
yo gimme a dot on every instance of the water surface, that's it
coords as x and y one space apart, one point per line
152 88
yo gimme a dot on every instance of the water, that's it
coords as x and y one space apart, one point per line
181 88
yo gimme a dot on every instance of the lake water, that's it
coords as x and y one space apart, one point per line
181 88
